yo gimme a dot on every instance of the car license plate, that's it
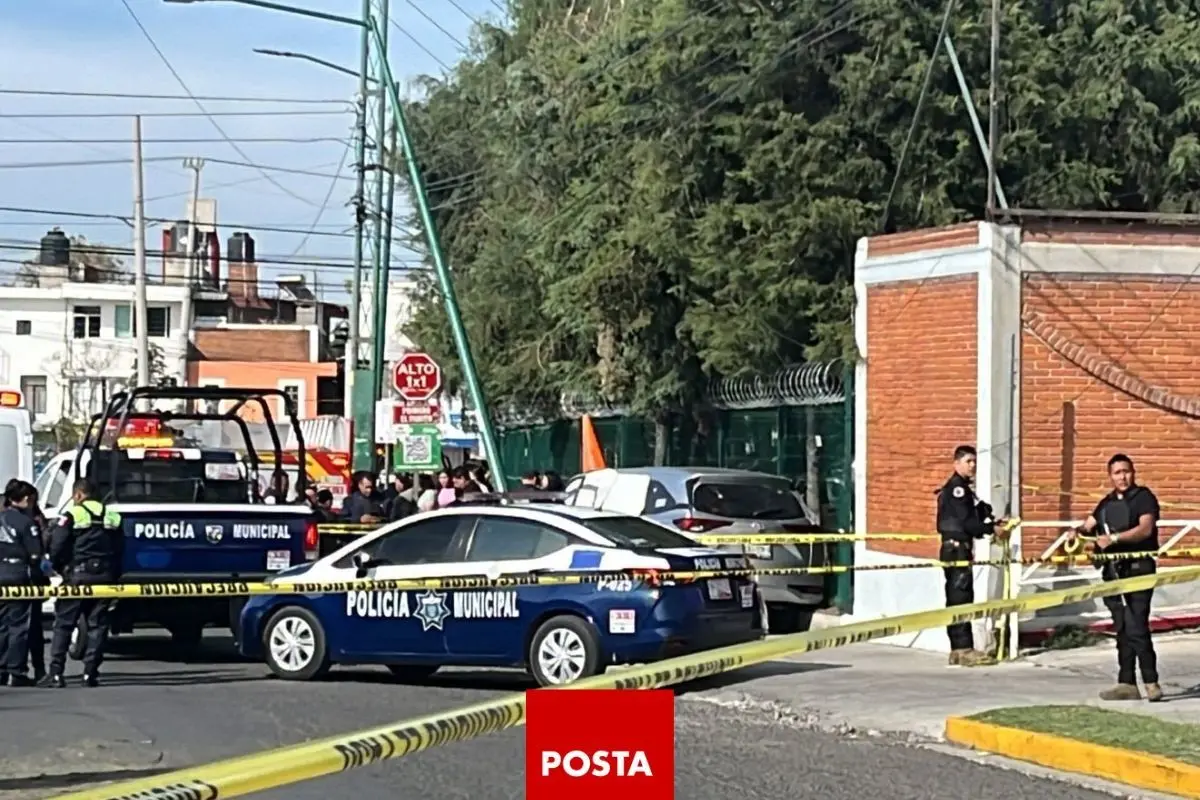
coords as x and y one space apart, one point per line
759 550
719 589
278 559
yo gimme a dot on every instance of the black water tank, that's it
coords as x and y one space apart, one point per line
241 248
56 249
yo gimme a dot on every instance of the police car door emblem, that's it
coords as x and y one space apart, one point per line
431 609
214 533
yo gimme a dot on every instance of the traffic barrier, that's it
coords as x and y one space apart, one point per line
289 765
245 588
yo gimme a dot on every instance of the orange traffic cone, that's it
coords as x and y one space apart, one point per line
591 457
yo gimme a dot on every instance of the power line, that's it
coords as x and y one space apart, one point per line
183 85
325 203
189 96
201 140
205 114
174 281
319 262
437 25
99 162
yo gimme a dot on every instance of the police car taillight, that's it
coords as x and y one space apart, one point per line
312 539
698 524
10 398
161 454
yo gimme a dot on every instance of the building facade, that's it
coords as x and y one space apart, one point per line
1050 346
69 347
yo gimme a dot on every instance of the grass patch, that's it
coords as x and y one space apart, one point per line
1146 734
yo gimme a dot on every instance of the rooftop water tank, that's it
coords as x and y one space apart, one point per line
241 248
55 249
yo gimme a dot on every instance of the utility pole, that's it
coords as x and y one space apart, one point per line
354 340
189 279
139 259
378 287
383 276
993 110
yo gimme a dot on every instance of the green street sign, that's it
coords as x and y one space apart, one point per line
418 448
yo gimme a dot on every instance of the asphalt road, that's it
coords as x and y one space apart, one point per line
153 714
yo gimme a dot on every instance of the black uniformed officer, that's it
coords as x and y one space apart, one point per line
86 547
961 519
1127 522
20 555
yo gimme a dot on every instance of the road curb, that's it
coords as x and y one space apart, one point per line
1123 766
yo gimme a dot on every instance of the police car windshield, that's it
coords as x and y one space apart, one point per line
635 532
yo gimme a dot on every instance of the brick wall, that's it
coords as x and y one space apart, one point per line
252 344
921 400
1139 334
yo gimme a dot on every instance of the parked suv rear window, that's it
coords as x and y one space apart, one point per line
744 500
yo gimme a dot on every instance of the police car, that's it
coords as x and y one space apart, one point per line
559 633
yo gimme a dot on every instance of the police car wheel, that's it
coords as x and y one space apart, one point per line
294 643
411 672
564 650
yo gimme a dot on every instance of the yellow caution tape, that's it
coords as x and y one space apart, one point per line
179 589
807 538
284 766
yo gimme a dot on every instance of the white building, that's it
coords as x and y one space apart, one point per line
69 347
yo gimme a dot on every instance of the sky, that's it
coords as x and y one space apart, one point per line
97 46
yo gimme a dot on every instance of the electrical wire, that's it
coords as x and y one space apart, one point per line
421 46
153 159
325 203
438 25
27 271
201 140
171 114
320 262
183 85
189 96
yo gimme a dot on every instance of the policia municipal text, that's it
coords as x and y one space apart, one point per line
86 547
1127 522
961 519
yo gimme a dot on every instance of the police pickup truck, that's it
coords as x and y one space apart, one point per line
189 513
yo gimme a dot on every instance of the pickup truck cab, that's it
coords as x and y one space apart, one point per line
189 512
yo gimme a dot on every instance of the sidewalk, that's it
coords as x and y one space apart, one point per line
876 687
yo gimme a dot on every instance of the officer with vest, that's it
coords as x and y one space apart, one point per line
86 548
961 519
20 556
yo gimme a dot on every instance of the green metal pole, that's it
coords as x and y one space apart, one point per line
380 343
844 595
379 292
445 281
364 433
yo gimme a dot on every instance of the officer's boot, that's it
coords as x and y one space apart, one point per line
91 680
53 681
1154 692
17 679
1123 691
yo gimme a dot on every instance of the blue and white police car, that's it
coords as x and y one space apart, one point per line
559 633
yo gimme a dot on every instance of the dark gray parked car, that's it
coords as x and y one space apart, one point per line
699 500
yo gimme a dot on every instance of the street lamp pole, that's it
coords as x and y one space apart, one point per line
416 180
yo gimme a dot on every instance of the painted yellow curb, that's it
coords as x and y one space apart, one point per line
1123 766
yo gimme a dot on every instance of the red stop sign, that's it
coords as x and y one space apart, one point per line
417 377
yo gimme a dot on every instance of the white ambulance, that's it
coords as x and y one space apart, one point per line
16 438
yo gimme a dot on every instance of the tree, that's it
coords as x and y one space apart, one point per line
633 196
158 368
91 263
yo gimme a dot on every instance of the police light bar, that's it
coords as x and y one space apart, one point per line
149 454
144 442
11 398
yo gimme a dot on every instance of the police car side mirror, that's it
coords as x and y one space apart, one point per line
362 561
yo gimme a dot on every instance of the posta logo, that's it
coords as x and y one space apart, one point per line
586 744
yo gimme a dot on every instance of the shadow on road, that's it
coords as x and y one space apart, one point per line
213 650
178 677
67 780
1187 694
767 669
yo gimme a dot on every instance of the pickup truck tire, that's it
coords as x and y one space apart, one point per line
294 645
411 673
563 650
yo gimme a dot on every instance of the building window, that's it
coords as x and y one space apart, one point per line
123 322
87 396
158 321
294 390
33 387
87 322
24 327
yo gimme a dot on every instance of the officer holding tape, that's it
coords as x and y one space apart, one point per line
1127 519
961 519
86 548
